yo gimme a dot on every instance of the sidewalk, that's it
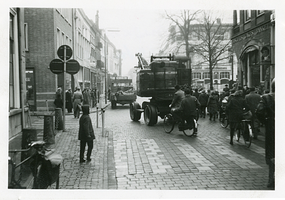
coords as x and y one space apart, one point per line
73 175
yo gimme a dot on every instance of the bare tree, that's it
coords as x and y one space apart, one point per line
183 22
212 46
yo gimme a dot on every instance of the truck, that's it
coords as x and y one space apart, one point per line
157 81
121 91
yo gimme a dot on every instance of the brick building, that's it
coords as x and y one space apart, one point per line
253 43
48 29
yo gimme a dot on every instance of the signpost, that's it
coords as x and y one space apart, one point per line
58 66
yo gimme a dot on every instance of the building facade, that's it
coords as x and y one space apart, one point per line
224 71
253 41
17 112
50 28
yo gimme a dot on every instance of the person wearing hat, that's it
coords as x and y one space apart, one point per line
85 134
226 89
189 106
77 100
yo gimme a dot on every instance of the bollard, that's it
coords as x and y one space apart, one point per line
58 119
49 135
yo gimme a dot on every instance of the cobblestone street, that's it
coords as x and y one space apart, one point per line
133 156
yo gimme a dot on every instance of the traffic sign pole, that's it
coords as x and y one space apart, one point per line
64 86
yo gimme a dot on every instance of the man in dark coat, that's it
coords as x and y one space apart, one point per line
252 99
235 108
266 114
203 99
178 96
68 101
189 107
86 134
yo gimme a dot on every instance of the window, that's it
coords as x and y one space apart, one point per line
58 38
216 75
224 75
62 39
260 12
14 88
196 75
247 15
206 75
238 17
26 36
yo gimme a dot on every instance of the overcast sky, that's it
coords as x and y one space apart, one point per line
137 30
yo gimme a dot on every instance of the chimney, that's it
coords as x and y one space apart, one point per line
97 19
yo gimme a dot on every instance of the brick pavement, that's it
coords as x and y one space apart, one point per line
161 161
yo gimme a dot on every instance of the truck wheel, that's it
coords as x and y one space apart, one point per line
134 113
113 104
150 115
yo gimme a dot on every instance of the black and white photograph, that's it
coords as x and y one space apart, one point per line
142 99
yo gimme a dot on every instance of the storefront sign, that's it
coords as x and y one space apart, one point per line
251 33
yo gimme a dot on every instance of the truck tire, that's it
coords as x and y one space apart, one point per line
134 113
150 115
113 104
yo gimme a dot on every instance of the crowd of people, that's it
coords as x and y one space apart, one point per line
189 105
74 101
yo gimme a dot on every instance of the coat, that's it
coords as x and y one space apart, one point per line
77 99
212 104
235 108
177 99
189 106
266 113
203 99
252 99
86 131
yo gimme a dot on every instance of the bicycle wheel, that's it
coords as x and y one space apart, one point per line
224 121
188 129
168 123
188 132
247 134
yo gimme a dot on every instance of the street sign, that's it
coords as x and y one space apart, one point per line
72 66
56 66
60 52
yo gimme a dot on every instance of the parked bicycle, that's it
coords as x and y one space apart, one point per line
170 121
45 167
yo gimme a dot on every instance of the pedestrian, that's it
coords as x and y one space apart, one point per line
265 112
203 99
189 106
235 108
68 100
77 100
212 105
196 93
58 101
86 96
226 88
252 99
176 101
86 134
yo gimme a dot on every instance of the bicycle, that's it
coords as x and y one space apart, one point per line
223 116
244 129
45 168
170 121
